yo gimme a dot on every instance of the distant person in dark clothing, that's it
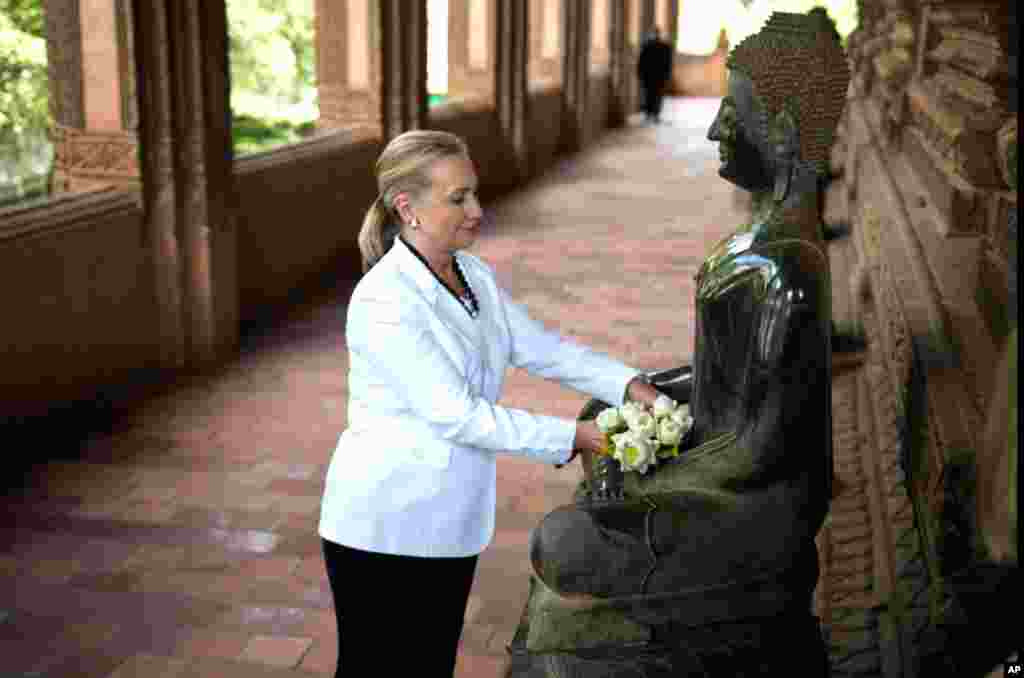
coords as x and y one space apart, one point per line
654 68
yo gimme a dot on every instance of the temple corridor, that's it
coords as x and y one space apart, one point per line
184 542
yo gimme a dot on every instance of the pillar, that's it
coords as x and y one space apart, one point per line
669 17
404 65
545 42
90 46
575 60
348 50
511 92
600 15
648 17
471 34
184 129
620 64
552 44
634 25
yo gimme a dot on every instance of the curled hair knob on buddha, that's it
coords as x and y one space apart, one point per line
800 70
403 167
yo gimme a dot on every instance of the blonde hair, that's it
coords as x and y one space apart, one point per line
403 167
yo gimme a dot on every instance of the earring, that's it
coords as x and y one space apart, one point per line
415 223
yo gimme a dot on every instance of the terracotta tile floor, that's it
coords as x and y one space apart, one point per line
184 543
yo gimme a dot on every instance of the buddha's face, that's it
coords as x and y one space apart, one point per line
747 157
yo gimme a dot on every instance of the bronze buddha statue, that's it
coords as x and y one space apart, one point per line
712 553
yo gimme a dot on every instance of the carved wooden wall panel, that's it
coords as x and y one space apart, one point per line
928 141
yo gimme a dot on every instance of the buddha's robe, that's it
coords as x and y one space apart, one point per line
726 531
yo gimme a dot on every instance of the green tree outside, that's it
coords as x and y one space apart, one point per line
26 154
273 72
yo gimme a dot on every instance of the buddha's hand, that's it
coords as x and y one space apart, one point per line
607 495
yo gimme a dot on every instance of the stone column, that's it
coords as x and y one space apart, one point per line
620 64
189 190
633 21
471 53
64 62
205 180
539 26
647 17
404 65
156 133
511 98
670 21
92 95
599 47
552 40
575 59
348 47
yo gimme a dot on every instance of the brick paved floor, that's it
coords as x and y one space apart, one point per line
184 543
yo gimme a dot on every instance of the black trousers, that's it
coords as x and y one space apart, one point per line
653 97
394 612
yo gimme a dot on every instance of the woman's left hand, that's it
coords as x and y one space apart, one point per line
641 392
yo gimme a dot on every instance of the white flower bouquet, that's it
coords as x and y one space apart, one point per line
638 436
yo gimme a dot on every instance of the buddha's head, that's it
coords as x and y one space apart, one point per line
787 89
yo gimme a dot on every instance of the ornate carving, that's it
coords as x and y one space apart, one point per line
894 67
341 108
870 230
899 350
85 160
961 101
1006 142
959 138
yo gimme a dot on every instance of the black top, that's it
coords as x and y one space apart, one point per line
654 63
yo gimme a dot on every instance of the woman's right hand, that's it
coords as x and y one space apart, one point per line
588 443
588 437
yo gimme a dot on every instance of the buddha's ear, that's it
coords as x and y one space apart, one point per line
784 136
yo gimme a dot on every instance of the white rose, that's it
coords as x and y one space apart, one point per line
663 406
669 432
630 411
610 420
681 415
637 453
644 426
619 442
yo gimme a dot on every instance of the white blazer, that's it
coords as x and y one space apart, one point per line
415 471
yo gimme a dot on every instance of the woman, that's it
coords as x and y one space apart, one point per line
409 499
